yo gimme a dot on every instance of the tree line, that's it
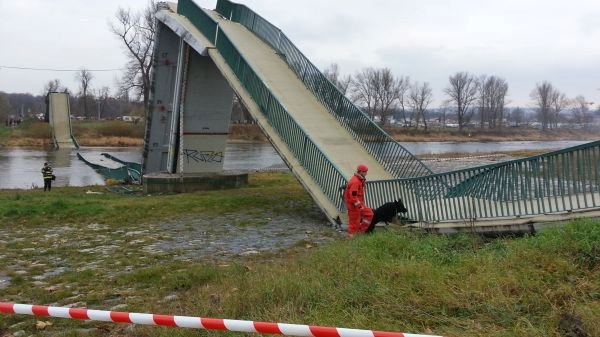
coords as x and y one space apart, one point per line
87 102
468 98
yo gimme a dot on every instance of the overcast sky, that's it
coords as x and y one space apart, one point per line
522 41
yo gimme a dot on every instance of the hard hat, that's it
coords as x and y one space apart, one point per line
362 167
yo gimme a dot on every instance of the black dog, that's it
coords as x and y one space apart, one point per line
386 213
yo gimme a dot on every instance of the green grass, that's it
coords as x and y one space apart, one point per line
107 129
73 205
29 128
394 280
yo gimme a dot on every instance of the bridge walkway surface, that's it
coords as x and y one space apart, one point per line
60 120
333 139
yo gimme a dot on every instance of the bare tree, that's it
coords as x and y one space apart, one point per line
558 102
403 96
102 99
380 92
136 31
84 77
482 100
463 92
581 111
492 99
388 95
53 86
420 98
332 73
542 96
364 90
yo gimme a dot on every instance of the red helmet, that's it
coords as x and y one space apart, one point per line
362 167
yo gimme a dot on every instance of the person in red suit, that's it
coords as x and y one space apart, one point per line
359 215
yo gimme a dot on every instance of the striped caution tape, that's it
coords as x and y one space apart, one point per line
196 322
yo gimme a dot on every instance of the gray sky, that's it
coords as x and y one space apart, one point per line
522 41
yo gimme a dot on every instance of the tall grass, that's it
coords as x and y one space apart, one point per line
411 282
90 129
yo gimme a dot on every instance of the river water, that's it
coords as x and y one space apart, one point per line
21 167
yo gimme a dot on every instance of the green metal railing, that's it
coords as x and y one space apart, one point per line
205 24
559 181
393 156
316 163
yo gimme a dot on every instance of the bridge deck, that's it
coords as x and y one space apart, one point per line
60 120
333 139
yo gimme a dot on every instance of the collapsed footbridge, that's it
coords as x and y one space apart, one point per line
203 56
59 117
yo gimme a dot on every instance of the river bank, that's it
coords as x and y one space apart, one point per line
127 134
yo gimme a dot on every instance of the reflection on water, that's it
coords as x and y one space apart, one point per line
21 167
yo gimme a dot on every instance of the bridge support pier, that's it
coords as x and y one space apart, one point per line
188 124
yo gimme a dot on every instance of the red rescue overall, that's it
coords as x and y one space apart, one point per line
359 215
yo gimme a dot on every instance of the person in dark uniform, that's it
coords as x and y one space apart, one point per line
47 174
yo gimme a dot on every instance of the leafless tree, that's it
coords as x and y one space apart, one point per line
542 97
332 73
558 102
581 110
403 96
463 92
102 99
420 98
380 92
388 95
53 86
84 77
364 90
492 99
136 31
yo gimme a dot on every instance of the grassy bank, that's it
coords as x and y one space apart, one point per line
33 133
394 280
118 133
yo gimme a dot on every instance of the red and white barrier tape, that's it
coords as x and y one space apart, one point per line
196 322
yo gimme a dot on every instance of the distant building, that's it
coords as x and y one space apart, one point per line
131 119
